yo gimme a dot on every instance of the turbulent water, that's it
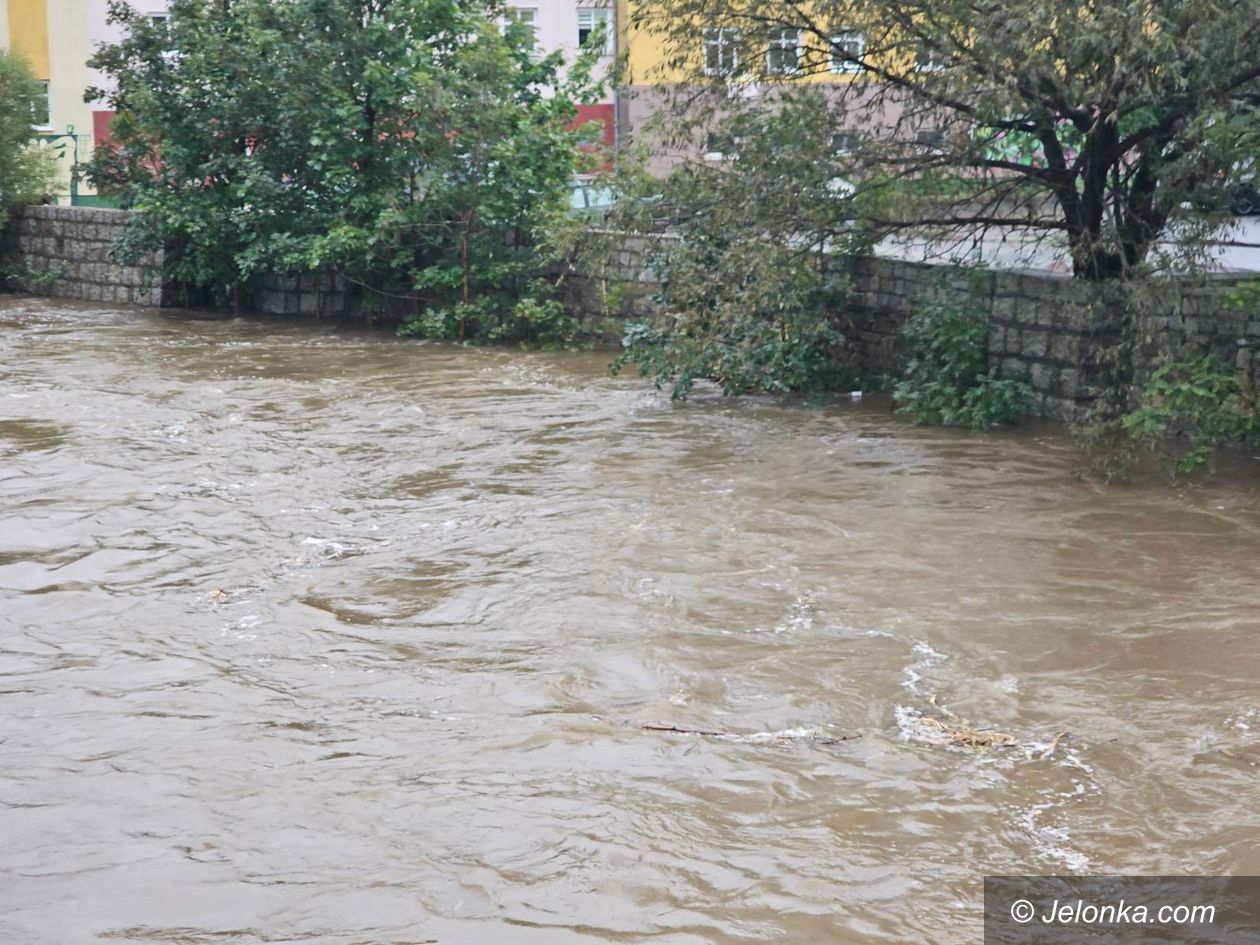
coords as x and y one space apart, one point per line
316 635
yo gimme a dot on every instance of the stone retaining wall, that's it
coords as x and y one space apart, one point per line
66 252
318 294
1046 329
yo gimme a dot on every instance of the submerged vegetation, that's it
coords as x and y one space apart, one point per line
739 249
533 321
1200 402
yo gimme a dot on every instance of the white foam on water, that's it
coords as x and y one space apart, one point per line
913 674
800 617
910 725
1054 840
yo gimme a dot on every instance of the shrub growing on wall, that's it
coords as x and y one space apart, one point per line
948 380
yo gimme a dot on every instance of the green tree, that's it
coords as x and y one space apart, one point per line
418 147
739 242
1103 125
26 170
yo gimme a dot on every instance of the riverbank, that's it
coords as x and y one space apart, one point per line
1048 331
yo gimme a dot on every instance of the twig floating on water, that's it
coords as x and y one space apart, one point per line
1054 744
748 736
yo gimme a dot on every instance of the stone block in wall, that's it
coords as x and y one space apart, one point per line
1028 311
1041 377
1064 347
1067 384
1002 310
997 340
1035 343
1071 315
1013 369
1065 409
1233 324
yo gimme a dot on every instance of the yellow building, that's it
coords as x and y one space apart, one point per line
762 53
52 35
756 64
742 57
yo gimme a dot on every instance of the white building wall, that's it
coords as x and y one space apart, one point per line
557 26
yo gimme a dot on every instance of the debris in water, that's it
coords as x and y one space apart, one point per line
951 730
756 738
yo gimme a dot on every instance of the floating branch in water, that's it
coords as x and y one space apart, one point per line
796 734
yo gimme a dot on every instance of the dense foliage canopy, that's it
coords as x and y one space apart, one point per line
417 147
737 247
26 169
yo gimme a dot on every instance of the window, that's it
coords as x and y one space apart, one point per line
721 56
847 49
927 58
783 57
527 17
589 20
846 141
158 20
719 146
930 139
43 108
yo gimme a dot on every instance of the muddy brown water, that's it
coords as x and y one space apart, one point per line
316 635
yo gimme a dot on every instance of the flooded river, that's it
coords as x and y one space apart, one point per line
317 635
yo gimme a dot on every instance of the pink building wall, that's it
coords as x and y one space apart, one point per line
100 32
556 24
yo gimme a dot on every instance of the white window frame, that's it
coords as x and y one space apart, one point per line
788 40
722 40
840 39
47 125
590 19
852 134
528 16
925 59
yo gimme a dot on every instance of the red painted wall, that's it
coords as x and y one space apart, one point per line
602 113
100 126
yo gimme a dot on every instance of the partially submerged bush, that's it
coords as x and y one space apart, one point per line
740 244
533 321
948 380
1198 398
